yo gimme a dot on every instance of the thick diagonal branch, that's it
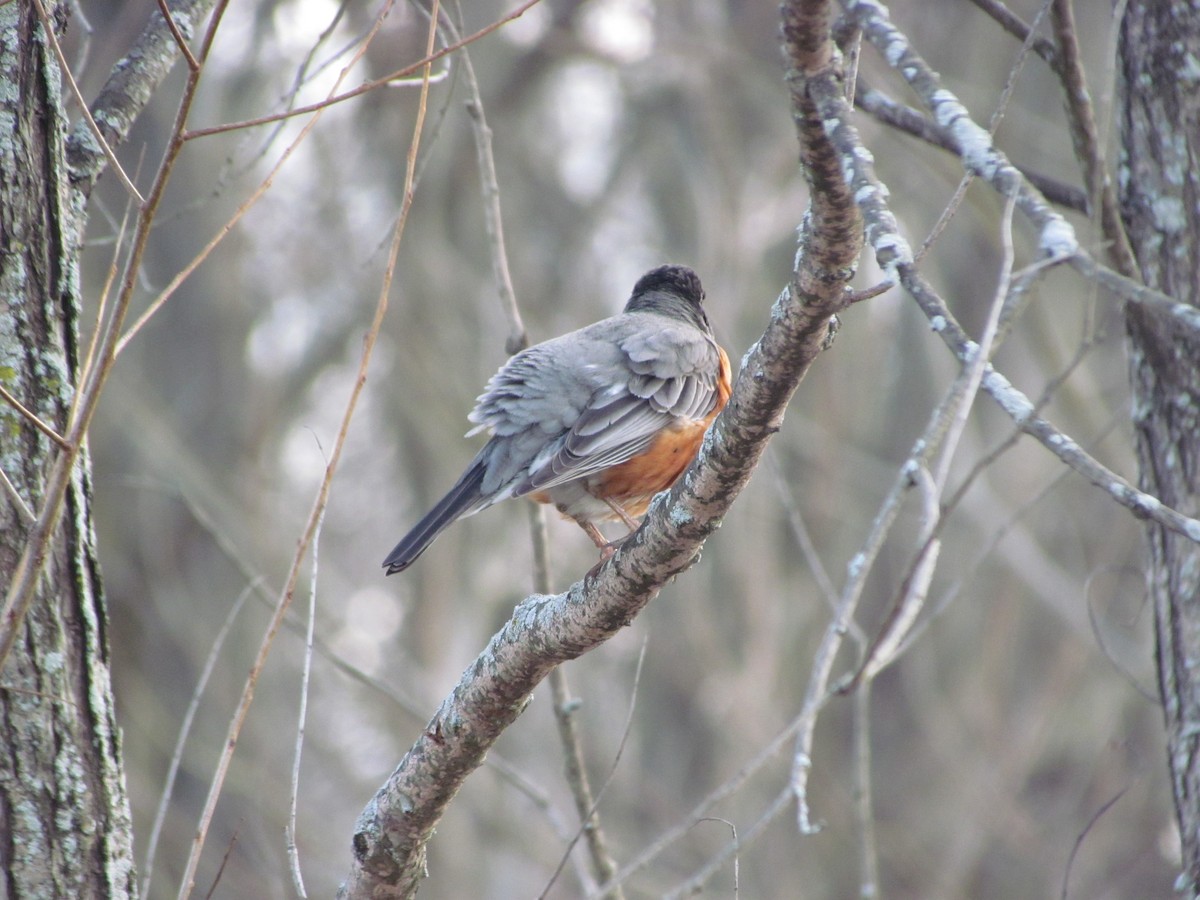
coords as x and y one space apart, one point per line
391 834
129 88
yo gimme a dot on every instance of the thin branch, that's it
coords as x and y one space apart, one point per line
695 884
27 573
1056 239
518 339
284 601
982 353
302 718
804 540
912 122
1022 412
129 87
1101 642
870 293
177 34
1136 292
185 730
105 294
959 402
1104 807
368 86
212 888
972 142
65 70
1010 83
1089 148
603 866
33 418
587 818
27 515
1016 26
736 846
730 787
563 705
864 807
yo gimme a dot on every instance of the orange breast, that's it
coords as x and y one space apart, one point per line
635 481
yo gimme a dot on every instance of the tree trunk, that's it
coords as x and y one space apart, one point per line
64 818
1160 185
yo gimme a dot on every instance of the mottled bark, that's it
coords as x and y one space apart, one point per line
1160 200
64 818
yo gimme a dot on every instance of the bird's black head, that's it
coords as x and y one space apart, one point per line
671 291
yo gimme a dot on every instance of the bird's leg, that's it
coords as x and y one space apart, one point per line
606 548
630 522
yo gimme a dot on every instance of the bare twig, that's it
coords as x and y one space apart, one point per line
102 306
431 57
1089 148
18 501
1104 807
1135 292
185 730
1056 238
804 540
730 787
869 293
1101 642
736 846
603 866
587 815
212 888
695 884
131 84
864 807
27 572
904 118
959 402
284 601
1014 25
302 718
33 418
180 39
1010 84
65 69
587 818
982 353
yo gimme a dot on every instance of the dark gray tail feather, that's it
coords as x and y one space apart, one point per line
460 499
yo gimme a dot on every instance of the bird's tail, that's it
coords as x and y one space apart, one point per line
462 499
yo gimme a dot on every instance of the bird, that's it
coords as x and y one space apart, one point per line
597 421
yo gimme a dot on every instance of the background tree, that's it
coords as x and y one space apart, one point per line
1016 723
1160 149
64 812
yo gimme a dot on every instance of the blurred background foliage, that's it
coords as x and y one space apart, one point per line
627 133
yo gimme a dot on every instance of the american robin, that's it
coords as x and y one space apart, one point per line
597 421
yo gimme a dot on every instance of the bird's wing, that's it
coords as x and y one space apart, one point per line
597 400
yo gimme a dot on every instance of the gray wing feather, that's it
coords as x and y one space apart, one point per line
559 415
